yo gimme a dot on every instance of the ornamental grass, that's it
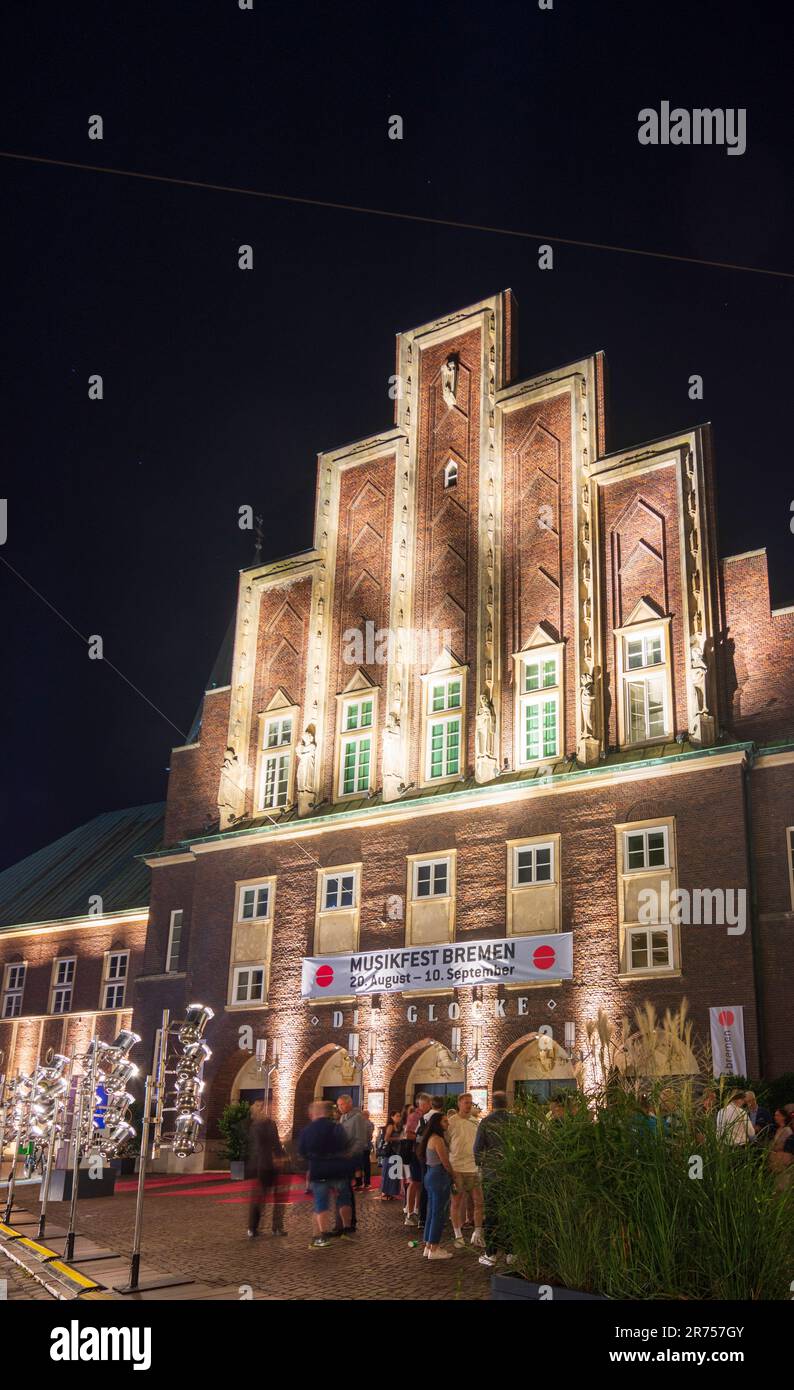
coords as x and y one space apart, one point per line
632 1194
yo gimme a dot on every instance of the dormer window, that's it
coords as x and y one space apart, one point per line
451 474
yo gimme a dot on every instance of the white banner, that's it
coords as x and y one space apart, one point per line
727 1040
505 960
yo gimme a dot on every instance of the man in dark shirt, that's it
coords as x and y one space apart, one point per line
487 1152
325 1145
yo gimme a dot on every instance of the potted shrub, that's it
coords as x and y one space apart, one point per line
233 1126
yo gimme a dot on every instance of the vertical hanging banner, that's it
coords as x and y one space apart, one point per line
727 1040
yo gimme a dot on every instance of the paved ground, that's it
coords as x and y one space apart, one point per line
15 1283
197 1226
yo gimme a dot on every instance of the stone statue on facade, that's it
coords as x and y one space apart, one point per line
307 757
588 748
449 381
704 725
485 763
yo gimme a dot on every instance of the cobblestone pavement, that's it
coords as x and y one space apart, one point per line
199 1228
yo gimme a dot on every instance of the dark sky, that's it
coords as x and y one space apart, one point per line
221 386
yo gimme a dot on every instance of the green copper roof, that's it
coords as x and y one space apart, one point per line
98 858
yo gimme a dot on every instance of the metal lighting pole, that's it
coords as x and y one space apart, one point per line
20 1137
54 1145
78 1116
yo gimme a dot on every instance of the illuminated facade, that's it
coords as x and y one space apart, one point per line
510 685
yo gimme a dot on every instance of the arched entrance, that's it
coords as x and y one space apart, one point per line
331 1072
249 1083
434 1070
537 1066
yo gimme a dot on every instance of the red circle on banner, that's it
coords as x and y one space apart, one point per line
725 1017
544 957
324 976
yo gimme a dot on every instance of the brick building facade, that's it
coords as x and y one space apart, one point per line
510 684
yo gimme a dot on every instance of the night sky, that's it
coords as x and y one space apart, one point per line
221 386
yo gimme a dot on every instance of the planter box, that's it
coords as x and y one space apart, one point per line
511 1286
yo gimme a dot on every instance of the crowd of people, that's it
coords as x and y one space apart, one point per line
441 1163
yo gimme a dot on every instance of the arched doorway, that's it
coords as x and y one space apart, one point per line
536 1066
329 1073
249 1083
436 1072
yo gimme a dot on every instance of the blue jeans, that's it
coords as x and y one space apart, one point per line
438 1185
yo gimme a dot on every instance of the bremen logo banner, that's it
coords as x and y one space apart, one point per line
512 960
727 1040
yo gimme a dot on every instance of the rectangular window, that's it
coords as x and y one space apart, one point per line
533 864
646 849
278 733
540 675
431 878
650 948
541 736
356 753
174 942
339 891
646 709
445 695
13 990
115 979
275 781
62 986
445 748
358 715
644 650
254 902
249 984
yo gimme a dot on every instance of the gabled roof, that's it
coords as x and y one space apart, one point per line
98 858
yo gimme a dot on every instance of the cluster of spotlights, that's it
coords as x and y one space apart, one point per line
106 1128
189 1085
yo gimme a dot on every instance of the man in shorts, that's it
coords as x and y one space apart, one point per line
461 1134
324 1144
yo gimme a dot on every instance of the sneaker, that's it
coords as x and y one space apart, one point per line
414 1218
319 1243
439 1254
252 1234
347 1233
409 1221
478 1239
488 1260
511 1259
459 1243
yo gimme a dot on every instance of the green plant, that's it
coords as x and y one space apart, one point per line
632 1194
233 1125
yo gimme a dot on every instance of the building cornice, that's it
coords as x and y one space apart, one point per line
108 919
465 799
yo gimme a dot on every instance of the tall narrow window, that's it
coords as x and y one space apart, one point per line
445 698
451 474
790 841
115 979
356 752
275 771
539 707
174 942
645 686
13 990
62 986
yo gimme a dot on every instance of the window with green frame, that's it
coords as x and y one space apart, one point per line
541 736
445 695
541 674
445 748
356 753
358 714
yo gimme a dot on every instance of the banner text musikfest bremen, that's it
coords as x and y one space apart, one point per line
449 965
